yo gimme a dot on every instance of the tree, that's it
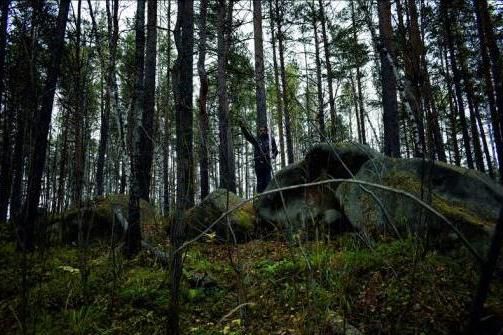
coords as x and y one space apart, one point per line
5 174
147 122
182 89
328 64
444 12
226 149
280 106
319 85
390 115
39 132
259 65
280 9
133 234
203 98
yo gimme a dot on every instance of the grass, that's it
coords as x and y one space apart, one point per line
398 286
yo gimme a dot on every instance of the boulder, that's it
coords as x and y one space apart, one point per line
311 208
212 207
98 218
468 198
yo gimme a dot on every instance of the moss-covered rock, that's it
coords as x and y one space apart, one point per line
468 198
98 218
212 207
308 209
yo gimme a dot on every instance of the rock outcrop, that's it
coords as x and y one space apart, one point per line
311 208
468 198
212 207
98 218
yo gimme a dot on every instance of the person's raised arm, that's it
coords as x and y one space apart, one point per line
249 137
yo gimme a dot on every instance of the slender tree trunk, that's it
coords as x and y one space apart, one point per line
203 100
483 137
110 94
182 89
457 82
488 83
328 64
494 54
259 65
146 153
470 97
78 117
40 131
319 85
390 116
167 123
226 149
279 100
452 108
6 170
286 111
133 234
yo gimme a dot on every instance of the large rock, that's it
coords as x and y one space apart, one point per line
312 207
98 218
212 207
468 198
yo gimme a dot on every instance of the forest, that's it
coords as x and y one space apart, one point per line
251 167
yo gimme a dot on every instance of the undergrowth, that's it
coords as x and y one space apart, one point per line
394 287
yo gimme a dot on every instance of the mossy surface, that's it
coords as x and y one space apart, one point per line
397 286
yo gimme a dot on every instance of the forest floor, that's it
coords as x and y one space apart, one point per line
394 287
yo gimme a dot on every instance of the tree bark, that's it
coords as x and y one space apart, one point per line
182 89
133 233
6 170
279 100
452 108
481 17
328 64
494 54
259 65
167 123
226 149
203 100
286 105
146 153
319 85
389 90
457 82
40 130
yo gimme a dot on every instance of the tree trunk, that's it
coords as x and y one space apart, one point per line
279 100
203 100
390 115
319 85
452 108
226 149
78 119
259 65
182 89
286 105
40 131
133 234
488 83
494 54
167 123
328 64
146 153
457 81
6 170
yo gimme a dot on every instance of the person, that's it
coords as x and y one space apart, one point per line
265 150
